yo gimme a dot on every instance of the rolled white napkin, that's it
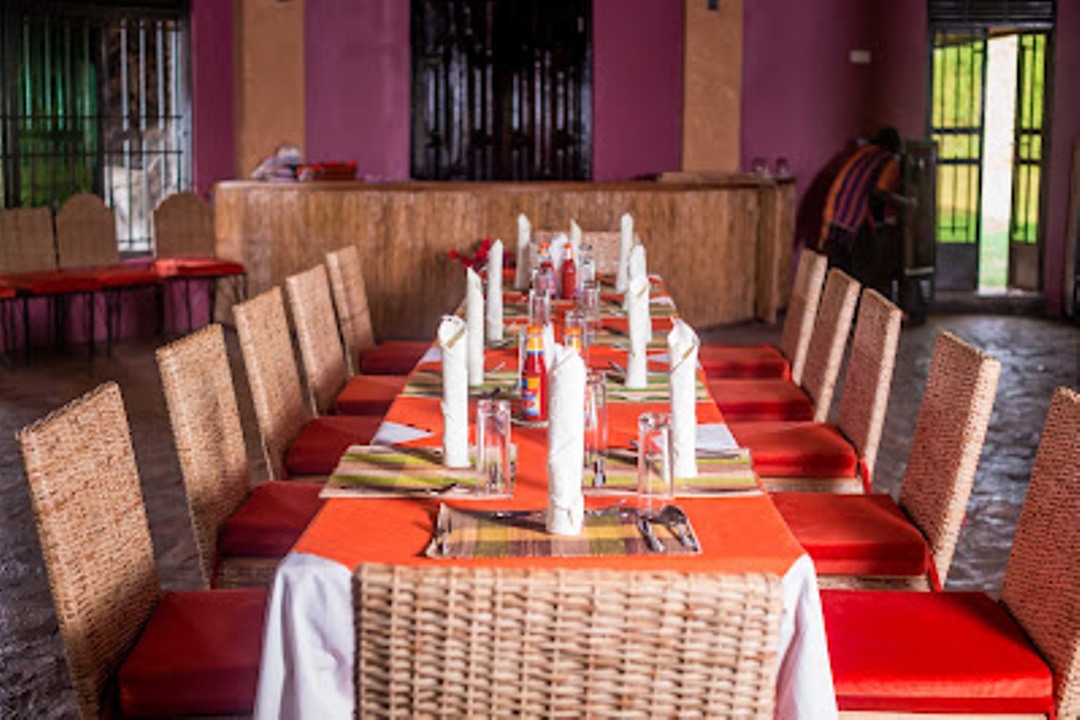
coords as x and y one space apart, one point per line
523 273
575 239
626 241
558 251
638 268
474 317
683 347
494 291
547 336
453 341
638 320
566 443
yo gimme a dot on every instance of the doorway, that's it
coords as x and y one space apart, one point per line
987 116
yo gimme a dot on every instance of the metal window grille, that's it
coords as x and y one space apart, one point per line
1028 146
94 98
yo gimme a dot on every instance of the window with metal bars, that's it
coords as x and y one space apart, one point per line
1028 148
94 98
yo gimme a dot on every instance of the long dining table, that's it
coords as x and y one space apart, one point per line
307 666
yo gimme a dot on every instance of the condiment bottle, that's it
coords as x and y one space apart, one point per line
534 392
569 274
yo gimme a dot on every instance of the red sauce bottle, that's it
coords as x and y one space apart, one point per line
534 391
569 274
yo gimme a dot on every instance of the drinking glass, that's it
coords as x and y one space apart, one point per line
596 426
589 304
586 267
654 456
493 446
539 307
576 334
760 166
544 280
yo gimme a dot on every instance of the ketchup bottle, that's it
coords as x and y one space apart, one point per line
569 274
534 392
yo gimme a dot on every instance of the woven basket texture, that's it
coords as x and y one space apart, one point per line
861 416
183 226
272 375
317 335
84 488
26 240
826 351
1042 580
605 247
801 311
209 438
454 642
350 298
948 439
86 233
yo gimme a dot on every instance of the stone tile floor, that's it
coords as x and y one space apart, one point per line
1037 356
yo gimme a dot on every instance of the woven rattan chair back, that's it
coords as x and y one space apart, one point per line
801 311
458 642
84 488
948 439
272 375
604 243
205 419
865 397
350 299
86 233
26 240
1042 581
317 334
183 226
826 351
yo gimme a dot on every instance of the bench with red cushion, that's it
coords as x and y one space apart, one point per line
368 394
746 400
322 442
392 357
738 361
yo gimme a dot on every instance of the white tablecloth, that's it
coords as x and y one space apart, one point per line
307 663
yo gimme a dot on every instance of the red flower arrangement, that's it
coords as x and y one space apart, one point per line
478 260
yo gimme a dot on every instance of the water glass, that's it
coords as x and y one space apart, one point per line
586 267
589 304
493 446
544 280
576 334
539 307
654 471
596 426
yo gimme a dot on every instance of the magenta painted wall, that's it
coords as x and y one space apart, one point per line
357 84
212 73
637 85
1065 132
802 97
899 69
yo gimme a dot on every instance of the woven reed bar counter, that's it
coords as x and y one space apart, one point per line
723 244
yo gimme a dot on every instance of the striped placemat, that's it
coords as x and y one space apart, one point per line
727 472
514 533
384 471
657 389
428 383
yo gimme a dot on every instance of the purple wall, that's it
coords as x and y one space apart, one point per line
357 84
802 97
897 94
1065 132
637 86
212 92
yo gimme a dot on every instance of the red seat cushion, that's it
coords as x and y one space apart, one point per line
196 267
55 282
368 394
735 361
761 400
322 442
931 652
6 291
198 655
797 449
855 534
393 357
271 520
121 277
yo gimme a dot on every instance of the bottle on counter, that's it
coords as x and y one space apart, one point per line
569 274
534 392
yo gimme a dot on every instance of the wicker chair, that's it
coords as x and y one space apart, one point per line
870 540
86 241
457 642
330 389
767 361
363 355
184 249
962 652
822 457
129 648
28 266
294 444
241 533
811 398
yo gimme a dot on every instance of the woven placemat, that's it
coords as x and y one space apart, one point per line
521 533
383 471
728 473
657 389
428 383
